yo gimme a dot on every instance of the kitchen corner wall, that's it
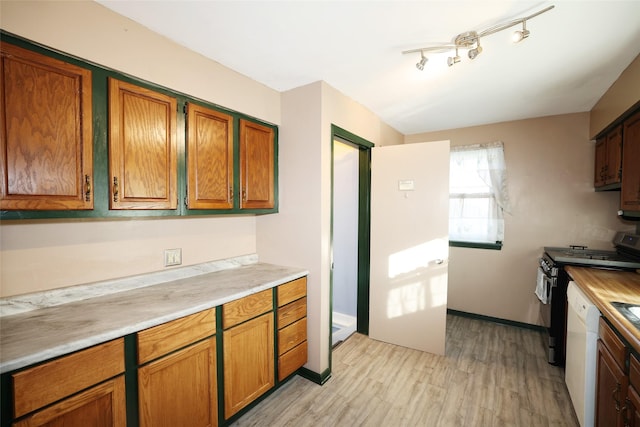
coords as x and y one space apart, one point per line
623 94
550 163
41 255
300 234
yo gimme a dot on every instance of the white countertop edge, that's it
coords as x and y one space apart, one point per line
95 339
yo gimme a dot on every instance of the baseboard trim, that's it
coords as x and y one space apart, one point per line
314 376
495 320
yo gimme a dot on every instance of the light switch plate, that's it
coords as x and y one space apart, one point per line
406 185
172 257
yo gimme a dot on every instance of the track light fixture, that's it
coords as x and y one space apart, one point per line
471 40
423 60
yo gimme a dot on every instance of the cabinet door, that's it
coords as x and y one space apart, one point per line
46 140
209 158
633 408
180 389
614 156
142 148
611 390
248 362
257 166
600 173
630 193
100 406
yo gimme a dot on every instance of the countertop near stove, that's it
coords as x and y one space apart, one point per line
604 286
40 334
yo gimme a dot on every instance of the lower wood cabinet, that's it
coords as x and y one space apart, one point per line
171 377
292 326
612 381
180 387
248 347
85 388
632 416
99 406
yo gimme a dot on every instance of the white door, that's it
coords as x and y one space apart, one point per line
409 245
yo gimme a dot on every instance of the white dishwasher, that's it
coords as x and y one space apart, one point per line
582 349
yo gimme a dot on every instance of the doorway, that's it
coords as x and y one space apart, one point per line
350 219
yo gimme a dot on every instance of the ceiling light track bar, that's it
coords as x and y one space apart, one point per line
471 40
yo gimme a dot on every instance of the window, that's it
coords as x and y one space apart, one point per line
477 195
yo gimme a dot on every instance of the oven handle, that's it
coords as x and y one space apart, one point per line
544 284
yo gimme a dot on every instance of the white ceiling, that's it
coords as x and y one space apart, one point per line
574 53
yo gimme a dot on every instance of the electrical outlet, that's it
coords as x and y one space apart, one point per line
172 257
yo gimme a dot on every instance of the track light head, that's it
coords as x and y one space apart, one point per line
473 53
518 36
423 60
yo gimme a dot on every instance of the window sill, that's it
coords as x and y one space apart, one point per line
476 245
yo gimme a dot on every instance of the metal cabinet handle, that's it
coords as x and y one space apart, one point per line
115 188
87 188
614 396
625 413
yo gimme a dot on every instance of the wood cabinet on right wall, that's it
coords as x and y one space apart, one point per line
630 188
617 162
608 170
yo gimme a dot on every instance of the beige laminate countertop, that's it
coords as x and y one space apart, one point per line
37 335
604 286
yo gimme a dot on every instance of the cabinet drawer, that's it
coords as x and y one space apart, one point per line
292 291
614 344
44 384
289 362
292 312
292 335
101 405
162 339
246 308
634 372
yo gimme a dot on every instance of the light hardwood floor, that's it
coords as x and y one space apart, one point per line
491 375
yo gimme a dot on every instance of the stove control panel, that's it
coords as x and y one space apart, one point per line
627 240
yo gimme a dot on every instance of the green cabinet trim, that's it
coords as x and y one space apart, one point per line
100 75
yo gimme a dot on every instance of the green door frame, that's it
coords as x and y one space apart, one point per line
364 222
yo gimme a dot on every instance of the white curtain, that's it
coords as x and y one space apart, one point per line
478 193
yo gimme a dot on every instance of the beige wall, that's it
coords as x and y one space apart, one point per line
40 255
300 233
622 95
550 172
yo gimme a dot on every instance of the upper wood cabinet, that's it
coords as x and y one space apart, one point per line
630 189
257 166
46 140
143 165
209 158
71 130
609 159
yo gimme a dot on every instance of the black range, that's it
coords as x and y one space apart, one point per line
552 282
